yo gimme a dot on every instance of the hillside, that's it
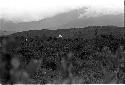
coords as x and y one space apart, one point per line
39 57
3 32
87 32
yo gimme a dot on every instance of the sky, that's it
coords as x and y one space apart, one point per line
33 10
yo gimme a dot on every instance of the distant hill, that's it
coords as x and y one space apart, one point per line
87 32
104 20
2 32
66 20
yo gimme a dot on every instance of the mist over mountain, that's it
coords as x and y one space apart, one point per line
65 21
62 42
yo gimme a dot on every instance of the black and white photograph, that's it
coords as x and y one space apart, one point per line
62 42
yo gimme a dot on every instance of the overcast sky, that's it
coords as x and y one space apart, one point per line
27 10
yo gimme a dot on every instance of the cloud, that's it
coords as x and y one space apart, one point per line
29 10
95 12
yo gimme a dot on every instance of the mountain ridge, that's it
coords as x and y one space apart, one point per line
87 32
66 20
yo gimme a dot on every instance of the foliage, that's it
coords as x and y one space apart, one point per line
90 59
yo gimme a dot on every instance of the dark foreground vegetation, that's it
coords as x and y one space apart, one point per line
71 60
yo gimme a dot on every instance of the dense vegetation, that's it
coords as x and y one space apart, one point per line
50 59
